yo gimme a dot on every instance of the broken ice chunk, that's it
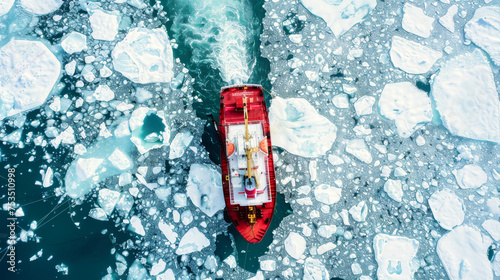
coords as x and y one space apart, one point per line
484 30
107 199
295 245
411 57
179 144
180 200
395 256
204 188
74 42
416 22
192 241
359 211
466 97
98 214
136 226
62 268
493 228
408 106
158 267
297 127
137 271
341 101
144 56
327 194
28 71
394 189
315 270
447 20
340 15
268 265
120 160
41 7
359 149
168 231
364 105
104 23
104 93
463 254
447 209
5 6
327 231
47 178
470 176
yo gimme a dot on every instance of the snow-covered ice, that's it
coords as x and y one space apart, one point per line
447 20
5 6
415 21
204 188
295 245
297 127
447 209
493 228
484 30
395 256
359 149
104 93
74 42
463 254
28 72
104 24
364 104
466 97
192 241
470 176
120 160
179 144
406 105
168 231
315 270
359 211
136 226
41 7
327 194
394 189
412 57
144 56
340 15
107 200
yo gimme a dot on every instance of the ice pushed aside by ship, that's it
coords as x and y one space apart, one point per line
247 165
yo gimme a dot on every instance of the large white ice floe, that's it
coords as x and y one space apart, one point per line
447 209
327 194
144 56
204 188
315 270
297 127
149 129
484 30
295 245
104 24
411 57
359 149
41 7
394 189
470 176
416 22
406 105
192 241
74 42
467 99
463 254
395 256
5 6
340 15
28 72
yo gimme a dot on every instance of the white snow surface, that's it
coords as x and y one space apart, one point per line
412 57
107 200
144 56
340 15
74 42
41 7
297 127
394 189
467 99
484 30
406 105
447 209
5 6
359 149
179 144
327 194
295 245
395 256
363 105
447 20
192 241
359 211
315 270
28 72
470 176
204 188
416 22
136 226
463 254
493 228
104 24
120 160
104 93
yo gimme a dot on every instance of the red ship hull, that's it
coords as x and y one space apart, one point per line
251 221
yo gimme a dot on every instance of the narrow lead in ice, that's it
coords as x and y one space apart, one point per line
412 57
466 97
395 256
470 176
463 254
295 245
416 22
192 241
484 30
447 209
297 127
204 188
340 15
408 106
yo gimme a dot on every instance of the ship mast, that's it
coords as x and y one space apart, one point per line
249 150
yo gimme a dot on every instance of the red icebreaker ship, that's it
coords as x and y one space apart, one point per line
247 163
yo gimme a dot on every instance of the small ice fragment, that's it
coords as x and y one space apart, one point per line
107 200
394 189
470 176
47 178
295 245
447 209
359 149
62 268
268 265
158 267
327 231
98 214
192 241
120 160
230 261
136 226
315 270
399 172
359 211
420 141
104 24
363 105
104 93
179 144
327 194
341 101
484 30
204 188
74 42
168 231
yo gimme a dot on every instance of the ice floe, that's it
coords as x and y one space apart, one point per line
192 241
5 6
107 200
204 188
447 209
104 24
297 127
340 15
463 254
466 97
144 56
493 228
74 42
179 144
412 57
104 93
447 20
395 256
363 105
359 211
484 30
394 189
315 270
470 176
295 245
406 105
28 72
327 194
136 226
359 149
416 22
41 7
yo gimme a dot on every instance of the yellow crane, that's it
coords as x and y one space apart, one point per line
249 150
